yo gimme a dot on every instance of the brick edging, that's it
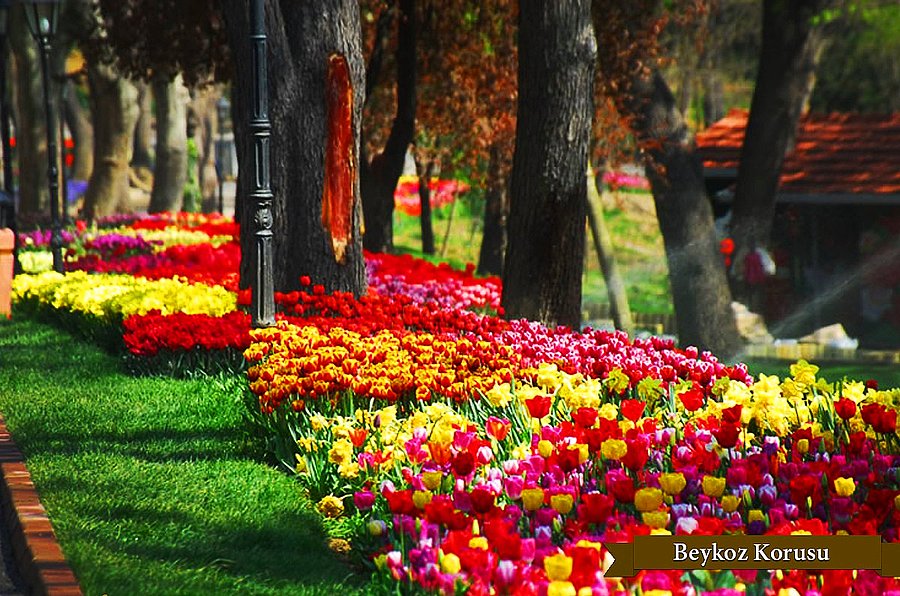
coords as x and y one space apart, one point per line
38 557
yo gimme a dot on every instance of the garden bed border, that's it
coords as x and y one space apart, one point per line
38 557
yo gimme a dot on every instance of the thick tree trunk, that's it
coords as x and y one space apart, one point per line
170 173
603 245
493 240
114 111
696 272
545 255
82 131
31 139
789 53
425 171
316 231
142 156
378 177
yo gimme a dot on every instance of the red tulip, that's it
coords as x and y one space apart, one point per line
732 414
538 406
632 409
497 428
692 399
845 408
585 417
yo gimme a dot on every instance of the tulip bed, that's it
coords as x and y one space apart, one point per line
453 451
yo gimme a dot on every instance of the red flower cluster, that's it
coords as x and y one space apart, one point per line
201 263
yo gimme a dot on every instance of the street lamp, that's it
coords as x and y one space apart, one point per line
7 198
223 107
43 17
262 302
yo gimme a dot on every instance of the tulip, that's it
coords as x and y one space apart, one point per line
713 486
562 503
558 567
449 563
672 483
648 499
844 487
532 498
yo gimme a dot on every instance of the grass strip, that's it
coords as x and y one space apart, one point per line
152 484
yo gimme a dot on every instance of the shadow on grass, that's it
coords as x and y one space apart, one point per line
288 545
154 485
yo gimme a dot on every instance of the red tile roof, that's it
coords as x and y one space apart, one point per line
841 154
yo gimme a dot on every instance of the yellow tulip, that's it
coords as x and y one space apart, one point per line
672 483
545 448
558 567
450 564
648 499
557 588
844 486
532 498
656 519
420 498
432 479
614 449
479 542
562 503
712 486
730 503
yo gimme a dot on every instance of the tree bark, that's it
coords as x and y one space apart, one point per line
302 37
496 208
114 111
170 173
31 140
700 289
82 131
379 176
545 255
202 109
142 156
789 53
603 245
425 171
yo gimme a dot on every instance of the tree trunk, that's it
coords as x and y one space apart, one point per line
31 139
378 177
82 131
316 230
493 240
545 255
114 112
790 48
425 171
713 98
603 245
170 172
696 272
143 129
202 110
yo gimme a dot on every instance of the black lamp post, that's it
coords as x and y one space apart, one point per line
223 107
42 17
262 303
7 197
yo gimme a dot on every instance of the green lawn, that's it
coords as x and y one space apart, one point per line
152 484
631 222
888 376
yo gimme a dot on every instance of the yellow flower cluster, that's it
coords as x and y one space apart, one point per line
308 363
36 261
118 296
172 236
380 433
